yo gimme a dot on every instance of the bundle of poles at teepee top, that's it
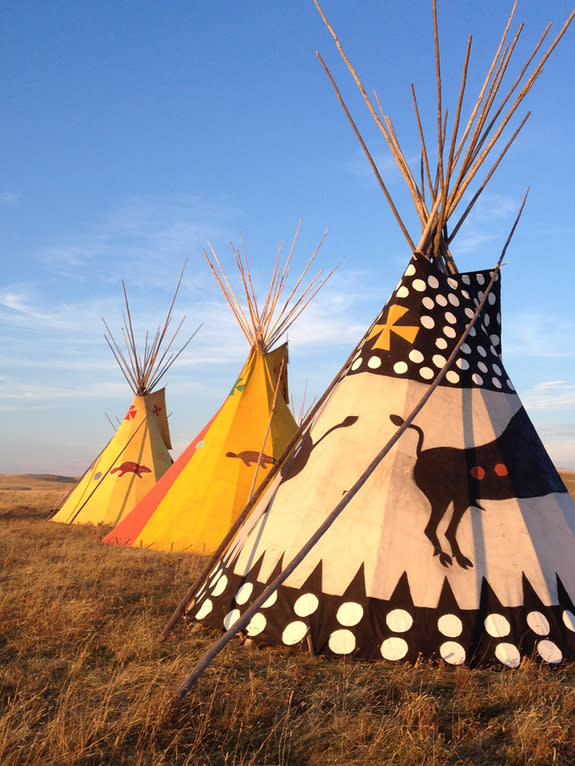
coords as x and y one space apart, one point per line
263 327
470 151
471 147
143 371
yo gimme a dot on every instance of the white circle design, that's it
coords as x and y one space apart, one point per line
433 282
427 322
393 648
497 369
508 654
400 368
450 317
452 376
477 379
441 300
449 331
428 303
426 373
419 285
538 623
466 348
256 625
349 613
452 652
452 283
306 605
399 620
496 382
438 360
271 600
204 610
549 651
220 586
410 270
403 292
374 362
463 364
497 625
244 592
450 625
469 313
482 351
357 363
480 279
482 367
491 299
416 356
569 620
342 641
294 632
453 299
441 343
231 617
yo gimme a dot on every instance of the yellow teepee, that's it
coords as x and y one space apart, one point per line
137 455
198 499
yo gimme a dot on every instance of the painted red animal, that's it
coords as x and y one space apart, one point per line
130 467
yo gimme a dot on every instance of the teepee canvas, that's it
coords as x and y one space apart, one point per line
458 540
198 499
138 453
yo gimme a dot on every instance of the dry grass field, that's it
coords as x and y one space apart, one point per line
83 679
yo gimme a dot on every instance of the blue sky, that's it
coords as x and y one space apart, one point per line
134 132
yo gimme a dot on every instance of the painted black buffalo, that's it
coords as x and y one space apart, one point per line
514 465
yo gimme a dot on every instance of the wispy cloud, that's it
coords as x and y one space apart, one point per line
550 395
8 198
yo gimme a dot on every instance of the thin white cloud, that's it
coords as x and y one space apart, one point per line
552 395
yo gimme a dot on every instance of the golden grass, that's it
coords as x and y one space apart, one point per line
83 679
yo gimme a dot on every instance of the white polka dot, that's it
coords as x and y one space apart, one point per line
270 601
244 592
480 279
349 613
497 625
465 279
428 302
486 320
472 332
449 331
374 362
510 385
549 651
466 348
491 298
498 317
481 351
492 350
538 623
452 376
494 339
393 648
453 299
496 382
433 282
403 292
294 632
204 610
482 366
399 620
452 652
256 625
497 369
231 617
508 654
441 343
463 364
419 285
357 363
450 625
220 586
469 313
427 321
410 270
306 605
438 360
441 300
342 642
477 379
465 294
426 373
400 367
416 356
480 296
452 283
569 620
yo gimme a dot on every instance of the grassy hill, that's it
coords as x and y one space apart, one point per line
83 679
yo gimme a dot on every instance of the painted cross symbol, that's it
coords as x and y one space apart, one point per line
382 332
156 409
